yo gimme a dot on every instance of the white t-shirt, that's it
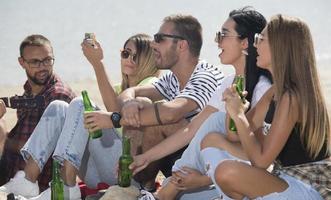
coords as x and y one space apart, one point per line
260 88
199 88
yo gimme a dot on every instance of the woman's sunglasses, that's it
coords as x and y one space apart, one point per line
126 54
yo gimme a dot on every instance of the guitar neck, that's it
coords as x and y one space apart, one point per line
24 102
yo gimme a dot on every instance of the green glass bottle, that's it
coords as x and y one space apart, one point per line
124 173
239 80
88 108
57 186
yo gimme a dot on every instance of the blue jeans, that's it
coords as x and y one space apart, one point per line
192 157
61 130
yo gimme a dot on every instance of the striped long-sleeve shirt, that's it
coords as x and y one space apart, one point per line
199 88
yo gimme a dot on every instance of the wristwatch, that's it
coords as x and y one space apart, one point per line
116 118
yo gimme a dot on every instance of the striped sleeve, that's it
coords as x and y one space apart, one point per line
201 87
163 85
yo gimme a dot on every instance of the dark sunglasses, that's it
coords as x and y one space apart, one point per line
126 54
159 37
221 35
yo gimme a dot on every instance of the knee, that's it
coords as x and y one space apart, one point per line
77 101
226 173
209 140
56 107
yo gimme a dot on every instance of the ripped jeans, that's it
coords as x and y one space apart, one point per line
61 130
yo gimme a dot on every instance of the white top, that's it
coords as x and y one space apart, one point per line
260 88
199 88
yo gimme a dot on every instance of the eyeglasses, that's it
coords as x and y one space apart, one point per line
258 38
220 35
35 63
126 54
159 37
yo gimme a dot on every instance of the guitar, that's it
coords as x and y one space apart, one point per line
16 102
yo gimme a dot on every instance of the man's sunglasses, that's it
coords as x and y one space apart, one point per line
159 37
126 54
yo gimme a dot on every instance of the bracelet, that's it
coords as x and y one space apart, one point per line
157 114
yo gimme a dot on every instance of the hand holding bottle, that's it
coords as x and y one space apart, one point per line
235 95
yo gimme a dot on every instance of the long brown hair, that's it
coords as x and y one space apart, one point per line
294 71
145 60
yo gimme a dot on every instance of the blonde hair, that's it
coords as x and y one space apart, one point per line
145 60
294 71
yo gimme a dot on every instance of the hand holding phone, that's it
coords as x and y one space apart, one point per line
90 38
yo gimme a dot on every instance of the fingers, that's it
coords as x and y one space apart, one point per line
178 182
138 164
130 113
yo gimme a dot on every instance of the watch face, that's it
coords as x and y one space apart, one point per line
116 116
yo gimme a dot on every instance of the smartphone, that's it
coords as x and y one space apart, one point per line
90 38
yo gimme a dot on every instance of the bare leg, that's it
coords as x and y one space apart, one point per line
168 192
237 179
31 170
219 141
69 173
152 136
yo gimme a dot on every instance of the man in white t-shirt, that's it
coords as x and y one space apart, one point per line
187 88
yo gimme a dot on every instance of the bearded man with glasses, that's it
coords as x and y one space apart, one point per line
186 89
37 59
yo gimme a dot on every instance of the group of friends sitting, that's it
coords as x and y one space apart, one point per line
178 121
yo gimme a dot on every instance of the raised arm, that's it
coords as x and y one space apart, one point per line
95 56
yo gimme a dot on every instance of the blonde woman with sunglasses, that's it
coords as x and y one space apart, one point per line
63 129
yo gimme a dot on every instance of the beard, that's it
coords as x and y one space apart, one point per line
171 58
40 82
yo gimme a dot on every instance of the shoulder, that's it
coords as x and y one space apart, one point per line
207 72
59 90
204 67
148 80
288 100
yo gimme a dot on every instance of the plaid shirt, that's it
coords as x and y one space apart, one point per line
27 119
316 174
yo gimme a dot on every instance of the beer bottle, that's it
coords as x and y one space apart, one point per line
88 108
57 186
239 80
124 173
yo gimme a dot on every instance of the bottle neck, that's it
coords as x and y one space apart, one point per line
126 148
86 101
55 170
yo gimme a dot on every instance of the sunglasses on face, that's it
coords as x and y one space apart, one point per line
126 54
258 38
221 35
159 37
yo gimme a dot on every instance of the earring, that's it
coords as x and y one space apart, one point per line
244 51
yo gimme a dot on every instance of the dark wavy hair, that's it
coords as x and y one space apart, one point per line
248 22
